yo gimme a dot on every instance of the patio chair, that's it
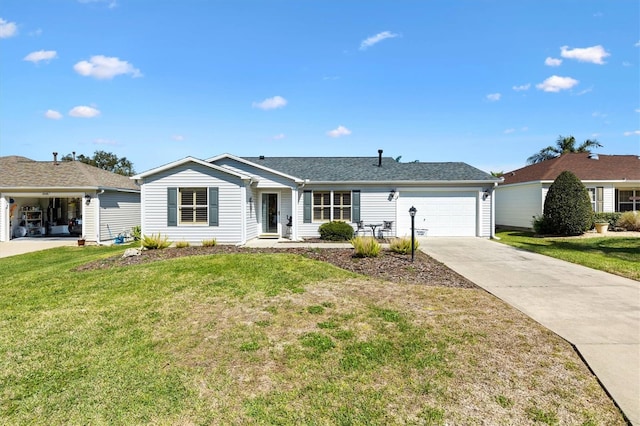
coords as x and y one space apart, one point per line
387 226
360 228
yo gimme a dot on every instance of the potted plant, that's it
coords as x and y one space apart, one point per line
602 227
81 241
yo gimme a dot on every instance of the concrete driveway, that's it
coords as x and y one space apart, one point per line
27 245
597 312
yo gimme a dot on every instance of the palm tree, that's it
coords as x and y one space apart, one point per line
563 146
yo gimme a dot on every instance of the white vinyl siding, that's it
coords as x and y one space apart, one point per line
517 204
375 206
119 210
485 216
192 175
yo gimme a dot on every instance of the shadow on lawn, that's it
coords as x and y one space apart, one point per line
621 248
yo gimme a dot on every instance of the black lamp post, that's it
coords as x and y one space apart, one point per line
412 212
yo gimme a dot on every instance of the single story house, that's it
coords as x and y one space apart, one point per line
235 199
65 198
613 182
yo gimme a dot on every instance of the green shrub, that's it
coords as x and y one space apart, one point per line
629 221
209 243
539 224
154 242
136 232
182 244
403 245
612 218
567 207
336 231
366 246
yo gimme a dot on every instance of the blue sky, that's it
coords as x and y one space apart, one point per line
484 82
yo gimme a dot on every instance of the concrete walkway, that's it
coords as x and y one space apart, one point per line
28 245
597 312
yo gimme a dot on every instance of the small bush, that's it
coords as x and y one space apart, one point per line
567 206
629 221
136 232
155 242
209 243
182 244
366 246
612 218
539 224
336 231
403 245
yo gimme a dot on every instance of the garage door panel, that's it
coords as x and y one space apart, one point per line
453 214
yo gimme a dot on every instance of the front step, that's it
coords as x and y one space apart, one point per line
269 236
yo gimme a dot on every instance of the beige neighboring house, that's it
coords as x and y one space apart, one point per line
65 198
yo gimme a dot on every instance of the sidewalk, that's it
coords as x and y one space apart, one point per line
599 313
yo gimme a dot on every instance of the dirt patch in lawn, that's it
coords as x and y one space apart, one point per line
389 266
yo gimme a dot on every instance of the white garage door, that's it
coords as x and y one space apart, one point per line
443 214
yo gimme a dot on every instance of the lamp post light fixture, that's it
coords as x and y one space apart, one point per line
412 212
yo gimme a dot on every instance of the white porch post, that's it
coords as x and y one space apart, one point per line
294 214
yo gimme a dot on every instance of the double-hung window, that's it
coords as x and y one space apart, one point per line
331 205
597 198
193 206
628 200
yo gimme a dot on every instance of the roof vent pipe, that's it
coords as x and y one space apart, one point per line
55 158
74 155
379 158
594 156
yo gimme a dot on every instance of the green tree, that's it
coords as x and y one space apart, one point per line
106 161
563 145
567 206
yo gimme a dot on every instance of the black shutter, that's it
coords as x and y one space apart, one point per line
214 211
306 199
355 206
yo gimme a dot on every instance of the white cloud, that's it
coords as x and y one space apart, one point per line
110 3
637 44
270 103
637 110
41 55
598 114
84 111
593 54
7 29
177 138
509 131
556 84
493 97
339 131
553 62
584 92
104 67
36 33
626 64
522 87
53 115
278 137
635 132
370 41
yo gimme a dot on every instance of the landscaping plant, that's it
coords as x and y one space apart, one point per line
336 231
209 243
629 221
155 242
366 246
403 245
567 207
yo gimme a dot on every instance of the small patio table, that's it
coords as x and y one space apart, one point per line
373 227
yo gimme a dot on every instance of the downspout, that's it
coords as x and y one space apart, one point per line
97 221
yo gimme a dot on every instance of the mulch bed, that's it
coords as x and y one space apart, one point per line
388 266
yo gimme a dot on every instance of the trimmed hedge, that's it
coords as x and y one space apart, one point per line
567 207
336 231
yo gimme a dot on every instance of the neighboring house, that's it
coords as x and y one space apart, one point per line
613 182
65 198
235 199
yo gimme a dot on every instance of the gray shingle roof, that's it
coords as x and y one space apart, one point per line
362 169
21 172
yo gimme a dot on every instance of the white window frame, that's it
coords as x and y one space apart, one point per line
193 207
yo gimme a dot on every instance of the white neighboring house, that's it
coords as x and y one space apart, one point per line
234 199
65 198
613 182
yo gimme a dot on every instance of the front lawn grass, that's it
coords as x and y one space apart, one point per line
616 255
271 339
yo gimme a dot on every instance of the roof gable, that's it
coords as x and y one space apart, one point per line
185 161
587 167
21 172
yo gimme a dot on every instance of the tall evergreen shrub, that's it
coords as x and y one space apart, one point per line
567 207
